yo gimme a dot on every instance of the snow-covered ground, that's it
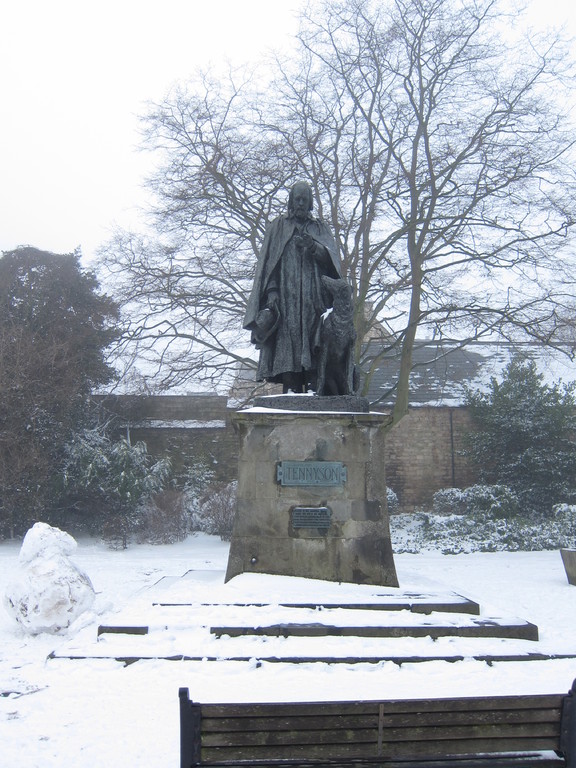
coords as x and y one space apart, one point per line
98 712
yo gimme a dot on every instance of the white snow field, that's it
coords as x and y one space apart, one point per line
94 710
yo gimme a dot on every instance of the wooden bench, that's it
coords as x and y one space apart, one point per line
442 733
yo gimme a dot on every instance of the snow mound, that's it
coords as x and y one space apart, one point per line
43 541
49 591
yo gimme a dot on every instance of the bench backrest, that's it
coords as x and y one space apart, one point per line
217 733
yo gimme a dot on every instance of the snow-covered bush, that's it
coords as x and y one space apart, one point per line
564 519
495 501
449 501
482 528
392 501
198 479
217 510
566 513
163 518
115 478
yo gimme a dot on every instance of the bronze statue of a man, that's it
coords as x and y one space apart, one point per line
288 298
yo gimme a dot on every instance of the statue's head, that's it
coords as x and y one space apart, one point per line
300 200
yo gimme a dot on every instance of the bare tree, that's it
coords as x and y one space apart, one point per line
438 144
185 290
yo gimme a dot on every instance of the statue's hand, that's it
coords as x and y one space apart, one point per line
305 243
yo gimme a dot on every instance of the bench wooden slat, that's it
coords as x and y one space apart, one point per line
391 736
542 701
401 750
520 760
322 721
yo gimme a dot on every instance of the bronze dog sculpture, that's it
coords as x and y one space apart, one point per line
337 337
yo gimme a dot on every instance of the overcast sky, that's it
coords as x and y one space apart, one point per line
76 74
74 77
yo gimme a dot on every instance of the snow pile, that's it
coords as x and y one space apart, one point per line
48 591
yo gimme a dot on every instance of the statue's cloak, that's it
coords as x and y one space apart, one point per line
277 354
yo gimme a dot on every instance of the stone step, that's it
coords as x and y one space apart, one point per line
194 587
247 590
425 604
481 627
308 620
188 637
398 659
345 624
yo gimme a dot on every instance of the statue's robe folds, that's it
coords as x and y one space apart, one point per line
293 276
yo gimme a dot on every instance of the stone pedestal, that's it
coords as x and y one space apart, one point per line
311 497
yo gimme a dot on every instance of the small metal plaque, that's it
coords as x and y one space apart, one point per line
311 517
311 473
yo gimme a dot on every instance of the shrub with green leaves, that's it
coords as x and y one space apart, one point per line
115 478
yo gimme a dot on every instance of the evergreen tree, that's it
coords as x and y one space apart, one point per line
54 328
524 436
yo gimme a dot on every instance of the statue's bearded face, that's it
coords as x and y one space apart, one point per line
301 201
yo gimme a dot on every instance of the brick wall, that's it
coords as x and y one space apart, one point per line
424 454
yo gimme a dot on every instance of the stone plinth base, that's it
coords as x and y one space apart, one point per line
311 497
